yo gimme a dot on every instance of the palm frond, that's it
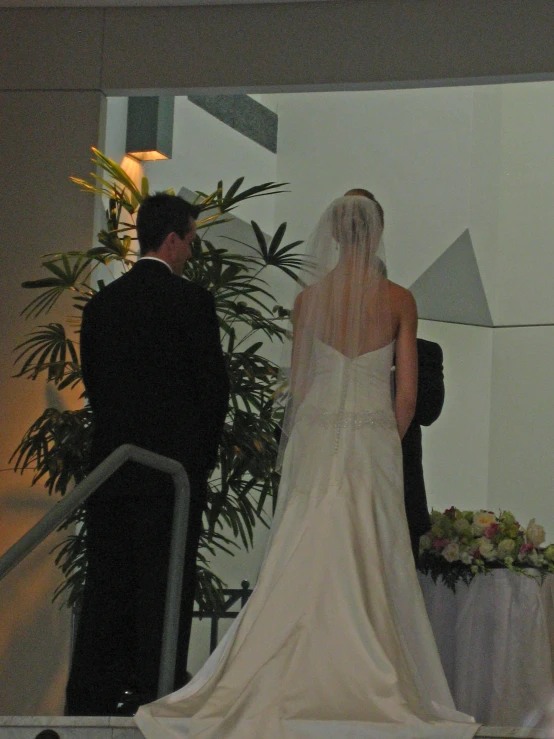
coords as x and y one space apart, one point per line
57 448
47 350
69 274
280 256
119 175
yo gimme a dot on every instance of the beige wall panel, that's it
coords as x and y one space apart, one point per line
42 211
50 48
50 137
350 42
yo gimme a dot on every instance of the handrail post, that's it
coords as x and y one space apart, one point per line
75 499
172 614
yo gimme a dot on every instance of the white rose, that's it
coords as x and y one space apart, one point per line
451 552
466 557
534 534
462 526
486 547
482 519
505 548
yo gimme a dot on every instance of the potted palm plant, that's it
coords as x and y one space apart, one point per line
57 444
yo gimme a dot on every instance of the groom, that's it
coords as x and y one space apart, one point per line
155 376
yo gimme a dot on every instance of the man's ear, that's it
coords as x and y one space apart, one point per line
171 241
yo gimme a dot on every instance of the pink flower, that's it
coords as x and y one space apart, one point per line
439 544
491 530
524 549
450 512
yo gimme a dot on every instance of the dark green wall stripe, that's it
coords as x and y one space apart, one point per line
244 114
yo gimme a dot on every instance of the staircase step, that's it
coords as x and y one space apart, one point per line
68 727
118 727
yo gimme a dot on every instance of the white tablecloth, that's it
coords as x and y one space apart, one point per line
496 641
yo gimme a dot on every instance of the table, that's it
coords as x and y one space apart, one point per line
496 642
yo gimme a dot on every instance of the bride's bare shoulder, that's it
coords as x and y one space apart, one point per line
401 297
300 297
300 303
305 294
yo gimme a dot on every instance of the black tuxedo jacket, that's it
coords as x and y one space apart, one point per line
430 399
153 367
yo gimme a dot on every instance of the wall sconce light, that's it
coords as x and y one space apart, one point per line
150 127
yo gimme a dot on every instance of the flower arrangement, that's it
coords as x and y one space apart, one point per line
462 544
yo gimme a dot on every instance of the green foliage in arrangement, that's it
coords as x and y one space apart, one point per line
57 445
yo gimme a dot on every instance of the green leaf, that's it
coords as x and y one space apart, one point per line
228 198
260 238
47 350
68 276
117 173
276 240
144 187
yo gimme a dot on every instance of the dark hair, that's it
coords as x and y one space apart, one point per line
366 194
161 214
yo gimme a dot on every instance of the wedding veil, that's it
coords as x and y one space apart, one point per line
343 302
341 311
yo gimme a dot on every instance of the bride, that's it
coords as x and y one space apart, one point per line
334 641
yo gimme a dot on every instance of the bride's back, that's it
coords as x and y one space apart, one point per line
349 305
351 314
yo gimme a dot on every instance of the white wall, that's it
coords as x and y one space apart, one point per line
456 446
522 410
484 185
206 151
522 424
525 268
411 148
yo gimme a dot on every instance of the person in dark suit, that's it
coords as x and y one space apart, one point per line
430 399
155 376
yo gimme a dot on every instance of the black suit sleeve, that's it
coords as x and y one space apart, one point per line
430 391
213 379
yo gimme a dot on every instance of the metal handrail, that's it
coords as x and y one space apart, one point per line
73 500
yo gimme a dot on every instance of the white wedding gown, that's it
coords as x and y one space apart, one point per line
334 642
